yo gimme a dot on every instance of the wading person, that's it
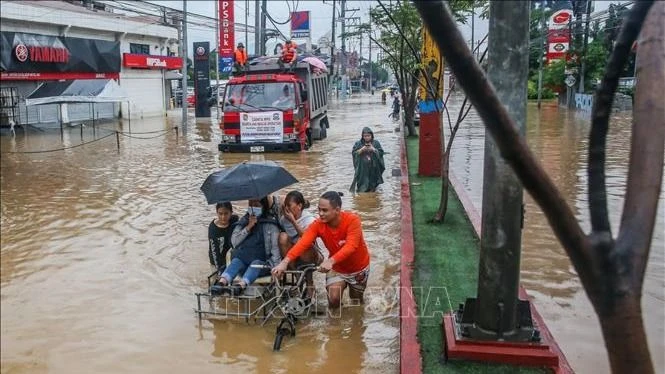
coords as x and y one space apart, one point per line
368 163
295 220
341 233
255 242
219 235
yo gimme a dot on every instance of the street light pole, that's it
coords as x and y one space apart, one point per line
540 54
183 98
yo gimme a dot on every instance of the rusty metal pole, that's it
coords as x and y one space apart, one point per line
498 315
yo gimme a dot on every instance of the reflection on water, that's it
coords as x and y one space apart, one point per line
102 250
559 139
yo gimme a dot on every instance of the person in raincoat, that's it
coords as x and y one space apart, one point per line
368 163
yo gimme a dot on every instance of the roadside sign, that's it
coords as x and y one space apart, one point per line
570 81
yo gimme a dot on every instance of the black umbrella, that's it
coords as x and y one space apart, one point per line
248 180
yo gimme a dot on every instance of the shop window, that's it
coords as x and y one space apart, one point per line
142 49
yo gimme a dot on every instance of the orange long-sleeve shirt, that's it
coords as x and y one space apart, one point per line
345 243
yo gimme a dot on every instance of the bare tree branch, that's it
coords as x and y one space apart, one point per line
645 172
602 107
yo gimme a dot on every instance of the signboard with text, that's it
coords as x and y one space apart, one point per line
132 60
201 78
300 27
226 35
558 33
261 127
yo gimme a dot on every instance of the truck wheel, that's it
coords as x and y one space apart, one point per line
324 127
308 142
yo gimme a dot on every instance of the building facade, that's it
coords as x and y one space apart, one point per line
45 41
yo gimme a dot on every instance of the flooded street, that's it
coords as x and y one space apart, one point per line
103 249
559 139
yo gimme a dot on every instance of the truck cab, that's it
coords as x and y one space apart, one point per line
269 110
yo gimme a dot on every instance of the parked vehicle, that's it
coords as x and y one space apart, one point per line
270 110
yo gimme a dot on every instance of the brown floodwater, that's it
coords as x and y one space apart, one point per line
103 249
559 138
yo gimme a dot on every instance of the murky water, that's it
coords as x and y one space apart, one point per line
560 140
103 249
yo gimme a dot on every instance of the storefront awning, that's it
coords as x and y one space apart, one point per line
172 74
77 91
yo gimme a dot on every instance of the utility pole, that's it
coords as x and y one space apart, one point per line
246 25
497 313
264 10
332 48
543 31
371 86
580 89
343 73
217 55
473 29
183 98
257 28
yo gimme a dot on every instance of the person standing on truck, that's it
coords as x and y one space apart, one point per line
289 55
240 58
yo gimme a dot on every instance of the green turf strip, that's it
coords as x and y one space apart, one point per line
446 269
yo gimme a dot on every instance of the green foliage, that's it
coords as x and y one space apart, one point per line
553 76
533 91
379 74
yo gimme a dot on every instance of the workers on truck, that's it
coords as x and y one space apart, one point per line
289 55
240 58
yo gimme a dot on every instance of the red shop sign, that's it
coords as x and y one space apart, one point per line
132 60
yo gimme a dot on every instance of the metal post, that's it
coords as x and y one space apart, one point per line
580 89
264 10
184 67
246 28
343 65
371 89
217 55
543 31
473 29
257 28
332 47
496 313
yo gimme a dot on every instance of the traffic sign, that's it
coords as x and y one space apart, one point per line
570 81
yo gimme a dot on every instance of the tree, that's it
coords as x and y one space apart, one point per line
399 29
610 268
404 64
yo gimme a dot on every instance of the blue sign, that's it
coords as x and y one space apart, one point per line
300 24
226 65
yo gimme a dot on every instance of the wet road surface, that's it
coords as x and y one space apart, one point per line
560 140
102 251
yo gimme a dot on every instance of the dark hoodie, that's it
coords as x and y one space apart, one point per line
369 165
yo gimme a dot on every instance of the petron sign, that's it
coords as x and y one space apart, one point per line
558 33
25 56
300 27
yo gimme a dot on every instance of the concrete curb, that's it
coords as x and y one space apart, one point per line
410 359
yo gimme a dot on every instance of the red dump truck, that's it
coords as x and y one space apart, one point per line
269 110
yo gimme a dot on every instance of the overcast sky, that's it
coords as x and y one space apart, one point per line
320 19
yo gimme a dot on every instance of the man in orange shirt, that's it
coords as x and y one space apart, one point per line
341 232
240 58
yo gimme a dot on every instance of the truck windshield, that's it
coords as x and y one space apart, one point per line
253 96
